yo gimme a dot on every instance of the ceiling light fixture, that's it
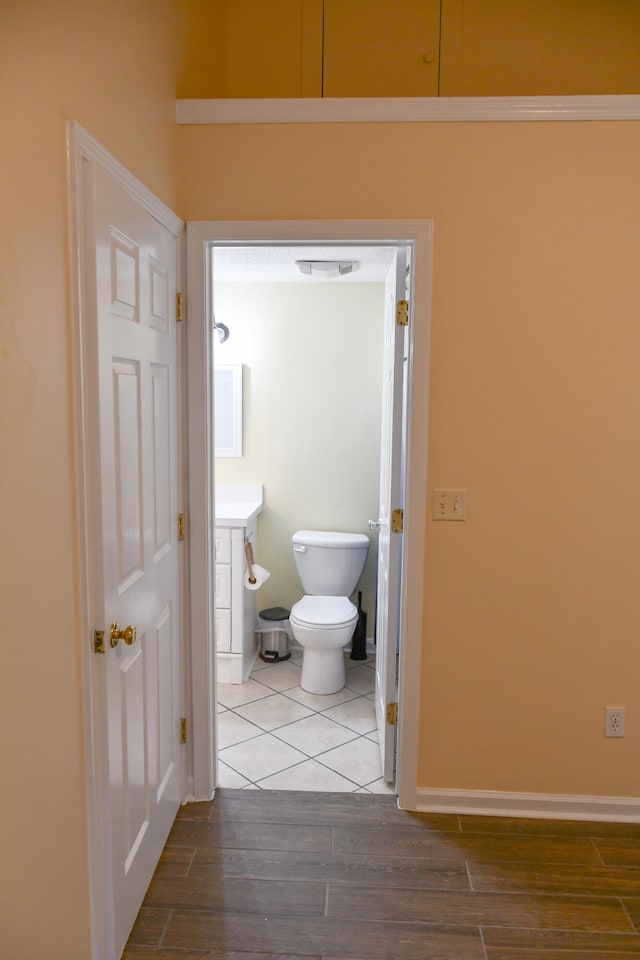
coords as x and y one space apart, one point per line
326 268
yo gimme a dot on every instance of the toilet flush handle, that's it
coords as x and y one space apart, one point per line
374 524
299 549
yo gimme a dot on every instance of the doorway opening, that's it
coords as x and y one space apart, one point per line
299 354
204 240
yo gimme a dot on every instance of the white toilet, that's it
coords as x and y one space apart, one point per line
329 566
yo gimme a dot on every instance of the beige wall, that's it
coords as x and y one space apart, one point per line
109 64
532 605
312 356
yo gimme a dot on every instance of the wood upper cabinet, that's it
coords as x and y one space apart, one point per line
332 48
251 48
503 48
274 48
410 48
381 48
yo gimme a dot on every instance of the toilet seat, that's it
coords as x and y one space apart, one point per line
324 612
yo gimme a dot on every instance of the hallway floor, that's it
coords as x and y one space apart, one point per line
269 875
272 735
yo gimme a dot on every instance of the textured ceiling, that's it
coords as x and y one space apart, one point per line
243 264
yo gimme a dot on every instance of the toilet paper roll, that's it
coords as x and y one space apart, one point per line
260 575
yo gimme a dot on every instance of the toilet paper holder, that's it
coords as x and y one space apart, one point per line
248 549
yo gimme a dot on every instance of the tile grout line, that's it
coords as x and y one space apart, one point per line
597 851
484 946
634 929
164 930
317 758
354 735
469 877
257 783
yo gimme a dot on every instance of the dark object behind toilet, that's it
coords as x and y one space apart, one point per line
359 638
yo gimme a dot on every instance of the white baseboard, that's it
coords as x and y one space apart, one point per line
549 806
229 668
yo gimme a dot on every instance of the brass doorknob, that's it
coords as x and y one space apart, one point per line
128 635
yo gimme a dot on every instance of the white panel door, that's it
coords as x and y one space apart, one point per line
391 498
135 259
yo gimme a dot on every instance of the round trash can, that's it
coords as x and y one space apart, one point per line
273 632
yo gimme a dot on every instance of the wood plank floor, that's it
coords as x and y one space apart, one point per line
269 875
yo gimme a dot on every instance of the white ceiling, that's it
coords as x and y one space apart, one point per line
242 264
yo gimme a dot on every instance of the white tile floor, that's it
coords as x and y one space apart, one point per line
273 735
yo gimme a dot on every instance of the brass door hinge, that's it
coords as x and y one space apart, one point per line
392 714
397 521
181 526
179 309
183 730
402 313
98 641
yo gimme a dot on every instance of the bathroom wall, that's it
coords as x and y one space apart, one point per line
312 356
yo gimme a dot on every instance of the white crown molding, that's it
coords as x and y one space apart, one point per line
408 109
540 805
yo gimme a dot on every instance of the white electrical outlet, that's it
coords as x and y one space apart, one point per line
449 505
614 721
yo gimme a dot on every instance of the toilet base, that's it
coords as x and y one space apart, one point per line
323 671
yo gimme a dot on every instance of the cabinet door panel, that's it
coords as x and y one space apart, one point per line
223 630
223 545
274 49
498 48
223 585
381 48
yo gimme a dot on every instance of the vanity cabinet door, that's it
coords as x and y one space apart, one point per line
235 614
223 589
223 585
223 630
223 545
243 601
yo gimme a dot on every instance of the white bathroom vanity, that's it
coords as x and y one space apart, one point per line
238 506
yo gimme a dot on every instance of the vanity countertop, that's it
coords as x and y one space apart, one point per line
238 504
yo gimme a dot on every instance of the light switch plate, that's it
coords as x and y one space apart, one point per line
449 504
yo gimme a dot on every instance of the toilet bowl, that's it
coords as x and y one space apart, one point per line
323 621
323 626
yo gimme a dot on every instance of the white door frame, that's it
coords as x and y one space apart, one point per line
200 236
84 154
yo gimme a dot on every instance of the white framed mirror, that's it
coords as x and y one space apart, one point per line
227 408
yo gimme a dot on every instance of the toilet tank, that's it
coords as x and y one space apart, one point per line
329 564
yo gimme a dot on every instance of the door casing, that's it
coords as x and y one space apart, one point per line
201 236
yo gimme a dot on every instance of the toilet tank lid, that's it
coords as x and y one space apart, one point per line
326 538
